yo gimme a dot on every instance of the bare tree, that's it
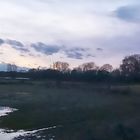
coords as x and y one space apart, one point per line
107 67
61 66
88 66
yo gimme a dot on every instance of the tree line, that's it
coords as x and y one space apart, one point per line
129 71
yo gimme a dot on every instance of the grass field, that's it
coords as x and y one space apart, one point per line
81 111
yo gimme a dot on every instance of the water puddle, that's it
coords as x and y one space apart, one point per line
21 134
4 111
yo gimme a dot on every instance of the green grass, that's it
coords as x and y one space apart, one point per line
85 111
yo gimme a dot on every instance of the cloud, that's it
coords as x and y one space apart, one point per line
70 52
90 55
129 13
1 41
23 50
75 53
22 55
99 49
78 53
45 49
16 45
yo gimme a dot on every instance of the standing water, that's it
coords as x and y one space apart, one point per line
11 135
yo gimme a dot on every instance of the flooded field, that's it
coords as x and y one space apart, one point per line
69 112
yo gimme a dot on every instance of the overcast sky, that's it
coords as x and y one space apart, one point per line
39 32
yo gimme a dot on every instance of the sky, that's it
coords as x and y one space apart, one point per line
37 33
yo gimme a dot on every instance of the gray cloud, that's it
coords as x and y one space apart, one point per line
25 50
99 49
76 53
79 53
128 13
17 45
46 49
90 55
22 55
14 43
34 55
21 49
1 41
